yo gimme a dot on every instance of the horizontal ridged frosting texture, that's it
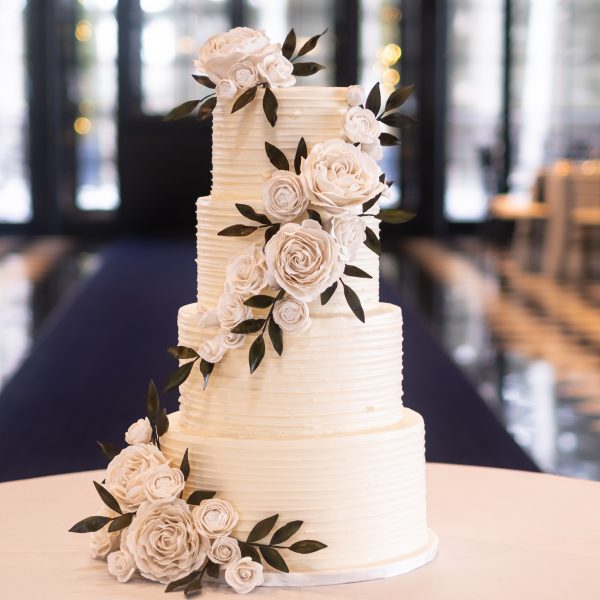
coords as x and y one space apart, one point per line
239 162
339 376
362 494
214 252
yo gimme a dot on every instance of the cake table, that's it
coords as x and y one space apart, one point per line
503 534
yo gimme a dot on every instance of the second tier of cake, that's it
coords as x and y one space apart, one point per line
339 376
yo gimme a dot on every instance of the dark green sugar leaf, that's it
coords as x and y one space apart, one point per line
283 534
251 551
387 139
237 230
109 450
277 157
301 152
179 376
398 120
162 423
249 326
289 44
256 353
398 97
196 497
354 302
307 546
273 558
206 368
353 271
247 211
262 529
373 102
260 301
182 352
90 524
185 465
207 108
121 522
270 106
182 110
152 402
244 98
310 44
395 216
108 498
372 241
305 69
205 81
276 336
326 295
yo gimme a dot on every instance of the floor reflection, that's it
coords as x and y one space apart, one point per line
36 278
530 344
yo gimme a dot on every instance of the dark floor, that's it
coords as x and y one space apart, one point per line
528 344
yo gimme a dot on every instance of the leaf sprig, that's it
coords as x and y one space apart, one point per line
258 348
270 551
301 69
97 522
241 230
390 116
206 105
156 415
349 294
184 370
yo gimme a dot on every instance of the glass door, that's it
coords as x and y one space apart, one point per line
15 195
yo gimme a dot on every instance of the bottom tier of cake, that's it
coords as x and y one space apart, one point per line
362 494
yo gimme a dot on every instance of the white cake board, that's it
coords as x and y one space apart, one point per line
408 563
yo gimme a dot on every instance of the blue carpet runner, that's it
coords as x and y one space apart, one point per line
87 374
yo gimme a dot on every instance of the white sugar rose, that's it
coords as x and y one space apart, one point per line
244 575
213 350
348 230
125 474
163 482
224 551
215 518
232 340
226 89
276 69
220 52
102 542
355 95
292 316
139 432
164 541
303 259
246 273
374 150
337 176
121 565
283 196
231 311
360 125
244 74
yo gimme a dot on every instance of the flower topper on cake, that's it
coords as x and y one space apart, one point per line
318 212
147 530
238 62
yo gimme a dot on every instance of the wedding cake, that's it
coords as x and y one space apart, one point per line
290 368
320 431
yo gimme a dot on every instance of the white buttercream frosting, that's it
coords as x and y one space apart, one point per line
362 494
340 375
320 433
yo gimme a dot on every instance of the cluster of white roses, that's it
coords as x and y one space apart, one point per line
242 58
305 256
167 539
361 125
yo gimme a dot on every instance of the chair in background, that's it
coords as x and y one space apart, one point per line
527 211
573 196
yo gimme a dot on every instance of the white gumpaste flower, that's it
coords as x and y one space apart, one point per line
292 316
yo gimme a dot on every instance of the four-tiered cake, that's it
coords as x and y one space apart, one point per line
317 431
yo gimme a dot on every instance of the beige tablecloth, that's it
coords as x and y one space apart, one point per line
503 535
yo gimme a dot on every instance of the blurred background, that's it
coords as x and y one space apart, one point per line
499 269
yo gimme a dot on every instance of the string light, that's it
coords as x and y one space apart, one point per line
82 125
83 31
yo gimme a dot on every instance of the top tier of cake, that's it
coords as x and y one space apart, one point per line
241 166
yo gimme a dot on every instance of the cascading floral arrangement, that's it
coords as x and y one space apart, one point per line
240 61
318 212
147 529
